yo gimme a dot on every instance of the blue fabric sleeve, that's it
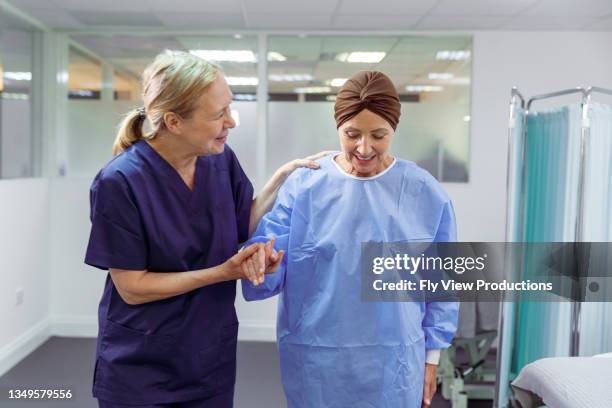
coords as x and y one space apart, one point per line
242 190
275 224
117 236
440 321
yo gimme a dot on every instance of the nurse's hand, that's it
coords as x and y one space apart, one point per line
234 268
309 162
265 260
429 385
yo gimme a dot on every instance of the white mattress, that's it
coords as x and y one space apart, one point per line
569 382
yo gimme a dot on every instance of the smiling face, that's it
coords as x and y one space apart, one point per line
207 128
365 140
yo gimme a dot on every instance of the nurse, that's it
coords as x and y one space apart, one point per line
168 213
335 350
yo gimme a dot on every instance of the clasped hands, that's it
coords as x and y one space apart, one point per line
253 262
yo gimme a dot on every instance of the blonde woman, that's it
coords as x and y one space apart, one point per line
168 213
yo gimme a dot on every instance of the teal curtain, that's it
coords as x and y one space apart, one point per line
534 330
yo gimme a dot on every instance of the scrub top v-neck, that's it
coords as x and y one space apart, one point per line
144 216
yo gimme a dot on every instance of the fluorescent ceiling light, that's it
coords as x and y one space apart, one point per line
440 75
366 57
290 77
235 55
18 96
242 81
337 81
467 118
312 89
225 55
452 55
424 88
18 76
276 56
245 97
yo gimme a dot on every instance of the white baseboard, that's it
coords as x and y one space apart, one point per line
87 327
15 351
74 326
257 331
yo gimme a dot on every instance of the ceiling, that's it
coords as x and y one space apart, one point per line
357 15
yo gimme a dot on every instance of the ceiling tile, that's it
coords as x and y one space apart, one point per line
572 8
538 23
55 18
30 4
461 23
375 22
116 18
210 42
481 7
198 6
116 6
600 25
289 21
386 7
203 21
296 8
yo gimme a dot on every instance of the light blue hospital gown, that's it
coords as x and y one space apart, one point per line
335 350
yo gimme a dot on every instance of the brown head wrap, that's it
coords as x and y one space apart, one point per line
371 90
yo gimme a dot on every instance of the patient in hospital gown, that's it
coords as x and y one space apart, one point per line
337 351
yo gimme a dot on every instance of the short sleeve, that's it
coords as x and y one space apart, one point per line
117 235
242 189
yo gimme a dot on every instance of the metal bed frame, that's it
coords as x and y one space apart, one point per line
518 101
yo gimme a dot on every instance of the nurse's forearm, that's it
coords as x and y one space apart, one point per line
138 287
266 197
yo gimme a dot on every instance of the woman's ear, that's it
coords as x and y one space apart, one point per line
172 122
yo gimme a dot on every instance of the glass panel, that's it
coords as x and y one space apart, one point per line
84 76
16 98
432 75
92 124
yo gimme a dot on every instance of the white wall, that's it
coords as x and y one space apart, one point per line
23 265
535 62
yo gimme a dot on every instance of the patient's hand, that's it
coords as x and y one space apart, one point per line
265 260
429 384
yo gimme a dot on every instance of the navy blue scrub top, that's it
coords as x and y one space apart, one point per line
145 217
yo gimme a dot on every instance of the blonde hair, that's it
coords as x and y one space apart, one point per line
173 82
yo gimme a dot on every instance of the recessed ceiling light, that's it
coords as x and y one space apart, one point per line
312 89
440 75
225 55
337 81
458 55
242 81
364 57
18 76
290 77
244 97
276 56
424 88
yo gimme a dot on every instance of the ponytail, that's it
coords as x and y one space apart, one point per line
130 131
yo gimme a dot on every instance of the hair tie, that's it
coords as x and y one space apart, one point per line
141 112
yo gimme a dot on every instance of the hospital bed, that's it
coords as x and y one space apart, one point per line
565 382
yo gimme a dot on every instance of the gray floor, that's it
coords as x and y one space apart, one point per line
68 363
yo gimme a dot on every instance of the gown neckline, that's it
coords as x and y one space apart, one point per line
343 172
